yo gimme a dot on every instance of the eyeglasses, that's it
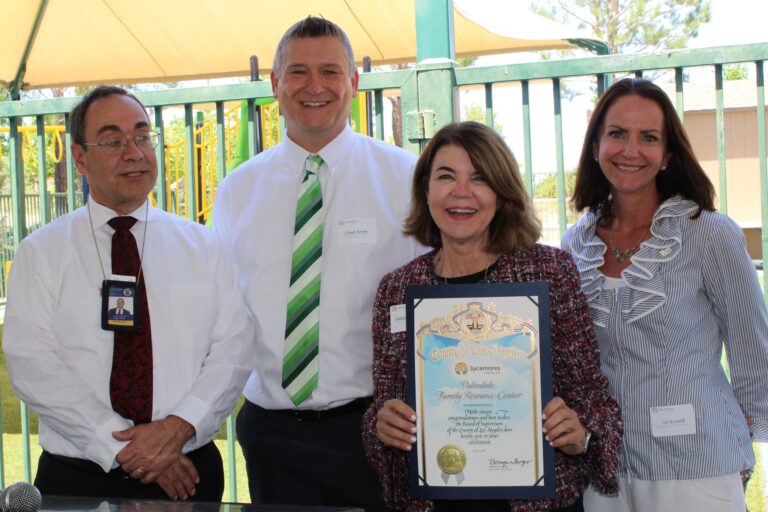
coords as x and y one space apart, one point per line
116 144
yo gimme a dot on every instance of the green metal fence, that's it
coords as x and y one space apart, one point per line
429 95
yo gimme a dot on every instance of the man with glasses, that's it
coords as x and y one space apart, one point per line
128 407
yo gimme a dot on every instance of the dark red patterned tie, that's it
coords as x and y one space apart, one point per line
130 386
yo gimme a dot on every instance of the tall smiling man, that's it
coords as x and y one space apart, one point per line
313 224
128 404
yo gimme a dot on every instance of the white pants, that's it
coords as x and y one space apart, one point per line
716 494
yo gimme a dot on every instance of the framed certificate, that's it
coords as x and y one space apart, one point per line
479 374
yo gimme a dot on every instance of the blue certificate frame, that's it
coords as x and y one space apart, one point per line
479 374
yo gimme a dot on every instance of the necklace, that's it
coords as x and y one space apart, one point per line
624 255
439 260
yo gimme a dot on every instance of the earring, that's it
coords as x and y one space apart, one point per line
663 168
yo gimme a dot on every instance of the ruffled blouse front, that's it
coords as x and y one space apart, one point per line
644 281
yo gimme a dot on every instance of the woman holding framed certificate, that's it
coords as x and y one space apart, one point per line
669 283
469 204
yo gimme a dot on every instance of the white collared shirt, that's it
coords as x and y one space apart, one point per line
366 186
60 358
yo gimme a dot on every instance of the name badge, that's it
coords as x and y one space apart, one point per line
118 277
120 305
397 318
356 231
673 420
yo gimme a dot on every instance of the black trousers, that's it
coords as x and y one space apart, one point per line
309 459
65 476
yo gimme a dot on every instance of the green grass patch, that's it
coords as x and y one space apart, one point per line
757 500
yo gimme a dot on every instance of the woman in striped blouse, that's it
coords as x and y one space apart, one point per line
669 282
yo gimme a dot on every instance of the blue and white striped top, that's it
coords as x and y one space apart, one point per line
690 288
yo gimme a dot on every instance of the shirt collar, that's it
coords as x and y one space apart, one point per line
332 153
101 214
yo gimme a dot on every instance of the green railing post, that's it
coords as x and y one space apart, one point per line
17 182
526 98
190 197
560 160
221 147
200 165
720 131
161 185
253 139
601 79
435 81
231 457
489 105
71 198
409 102
763 168
378 99
434 30
26 451
679 102
42 176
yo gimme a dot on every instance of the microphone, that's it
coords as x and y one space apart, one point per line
20 497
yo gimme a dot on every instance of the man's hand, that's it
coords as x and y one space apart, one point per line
152 447
178 481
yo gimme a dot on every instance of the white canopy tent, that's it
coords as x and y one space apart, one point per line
47 43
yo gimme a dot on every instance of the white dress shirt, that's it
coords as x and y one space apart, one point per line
60 359
366 193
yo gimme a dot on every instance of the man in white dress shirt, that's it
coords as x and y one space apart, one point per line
311 452
198 346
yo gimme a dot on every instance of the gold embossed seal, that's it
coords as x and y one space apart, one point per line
451 459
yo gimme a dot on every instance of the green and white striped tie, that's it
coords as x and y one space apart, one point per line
302 326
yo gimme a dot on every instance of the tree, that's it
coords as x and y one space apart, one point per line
547 187
473 112
630 26
397 114
735 72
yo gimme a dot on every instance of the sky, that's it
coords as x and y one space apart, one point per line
733 22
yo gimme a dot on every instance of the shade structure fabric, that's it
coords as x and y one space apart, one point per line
69 42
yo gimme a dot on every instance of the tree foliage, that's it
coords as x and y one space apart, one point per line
630 26
735 72
546 187
474 112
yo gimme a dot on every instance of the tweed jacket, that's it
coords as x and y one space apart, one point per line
575 368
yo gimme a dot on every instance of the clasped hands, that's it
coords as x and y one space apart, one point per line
396 426
153 455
